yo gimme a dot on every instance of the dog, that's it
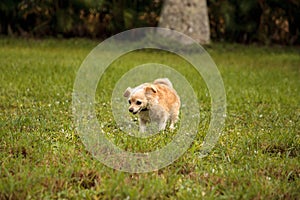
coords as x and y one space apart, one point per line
154 102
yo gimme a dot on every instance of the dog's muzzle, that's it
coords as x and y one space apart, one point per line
140 110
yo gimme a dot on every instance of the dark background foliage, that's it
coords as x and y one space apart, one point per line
244 21
264 21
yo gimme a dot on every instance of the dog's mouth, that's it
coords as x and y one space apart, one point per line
144 109
135 112
140 110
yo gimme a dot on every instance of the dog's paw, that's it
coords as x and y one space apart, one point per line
172 127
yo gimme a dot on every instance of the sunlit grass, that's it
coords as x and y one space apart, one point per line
43 157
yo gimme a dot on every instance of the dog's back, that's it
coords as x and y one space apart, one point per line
168 100
168 97
164 81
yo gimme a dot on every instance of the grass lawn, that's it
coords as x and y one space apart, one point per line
42 156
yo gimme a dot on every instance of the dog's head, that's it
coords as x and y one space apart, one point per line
138 97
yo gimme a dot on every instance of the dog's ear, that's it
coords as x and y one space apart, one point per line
150 89
127 92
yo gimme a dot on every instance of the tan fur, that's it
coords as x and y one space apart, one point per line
156 101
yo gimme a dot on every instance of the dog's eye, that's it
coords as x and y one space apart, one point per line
138 103
129 101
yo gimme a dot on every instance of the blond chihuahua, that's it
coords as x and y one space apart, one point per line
154 102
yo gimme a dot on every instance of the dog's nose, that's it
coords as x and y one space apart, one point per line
130 109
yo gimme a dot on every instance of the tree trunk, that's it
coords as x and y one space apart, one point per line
187 16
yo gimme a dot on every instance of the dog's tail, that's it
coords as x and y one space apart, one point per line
164 81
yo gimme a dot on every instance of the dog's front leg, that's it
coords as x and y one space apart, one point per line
142 126
162 124
172 127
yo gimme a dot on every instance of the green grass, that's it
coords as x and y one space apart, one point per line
42 156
